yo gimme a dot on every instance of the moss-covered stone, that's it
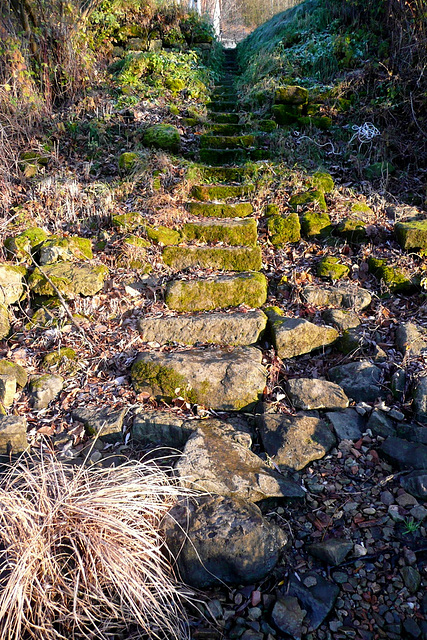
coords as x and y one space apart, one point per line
190 122
175 85
379 170
163 380
70 279
321 122
136 241
225 118
291 94
272 209
163 136
128 161
322 181
361 207
208 141
232 232
331 267
221 156
220 191
396 280
283 115
12 369
221 258
222 106
196 172
55 249
217 293
352 229
163 235
214 210
43 317
311 197
267 126
59 357
226 129
412 235
23 244
316 224
31 161
128 221
283 229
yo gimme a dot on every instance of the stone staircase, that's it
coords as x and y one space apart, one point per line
229 375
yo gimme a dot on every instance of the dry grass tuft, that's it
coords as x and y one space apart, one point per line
82 553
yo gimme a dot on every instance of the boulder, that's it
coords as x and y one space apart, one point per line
163 136
352 230
69 278
225 380
56 249
222 540
217 459
13 434
361 381
330 267
218 258
296 336
288 616
7 389
11 286
347 424
416 484
44 389
348 296
233 232
295 441
380 424
411 339
316 224
406 455
312 393
220 210
22 245
161 428
291 94
342 320
105 423
233 328
283 229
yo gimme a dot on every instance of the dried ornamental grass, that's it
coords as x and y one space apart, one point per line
82 553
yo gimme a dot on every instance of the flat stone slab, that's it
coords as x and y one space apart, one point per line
11 284
411 338
105 423
220 462
217 293
222 540
296 336
13 434
347 296
360 380
234 328
70 279
347 424
220 258
220 210
227 230
206 192
295 441
221 379
311 393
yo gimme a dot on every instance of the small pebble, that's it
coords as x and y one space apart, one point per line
369 511
387 498
359 550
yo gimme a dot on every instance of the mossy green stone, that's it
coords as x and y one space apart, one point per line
232 232
322 181
412 235
352 230
272 210
168 382
220 192
283 229
267 126
190 122
213 210
15 370
217 293
226 129
330 267
221 258
283 115
163 235
361 207
316 224
4 322
70 279
128 221
225 118
33 157
22 244
313 196
395 279
291 94
136 241
128 161
208 141
197 172
321 122
55 248
163 136
59 357
223 156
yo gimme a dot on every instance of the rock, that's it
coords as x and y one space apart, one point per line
11 286
128 221
219 258
284 229
44 389
220 210
231 232
332 551
360 380
164 236
405 454
215 460
233 328
56 249
411 235
291 94
330 267
162 136
323 181
309 393
348 424
159 427
217 293
348 296
352 230
317 600
7 389
128 161
380 424
296 336
316 224
69 278
312 197
411 628
15 370
395 279
294 441
287 616
13 434
221 192
411 339
21 246
105 423
411 578
222 540
4 322
415 483
420 399
225 380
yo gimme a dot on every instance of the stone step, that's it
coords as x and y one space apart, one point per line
223 156
208 141
220 258
206 192
221 174
225 129
222 106
219 292
225 118
235 328
218 378
230 231
220 210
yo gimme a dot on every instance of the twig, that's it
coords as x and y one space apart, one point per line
415 117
